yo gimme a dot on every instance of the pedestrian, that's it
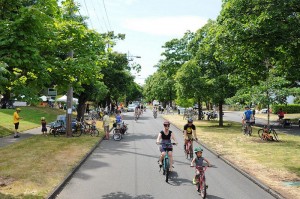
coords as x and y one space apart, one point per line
106 125
44 128
16 119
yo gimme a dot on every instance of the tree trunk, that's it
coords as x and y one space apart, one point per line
221 113
199 109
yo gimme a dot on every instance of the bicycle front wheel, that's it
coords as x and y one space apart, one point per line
95 132
167 168
275 136
77 132
260 133
202 188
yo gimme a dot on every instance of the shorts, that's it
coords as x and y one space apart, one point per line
44 129
163 149
16 125
190 136
106 128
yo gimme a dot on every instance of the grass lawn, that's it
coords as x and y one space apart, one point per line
271 162
33 167
31 118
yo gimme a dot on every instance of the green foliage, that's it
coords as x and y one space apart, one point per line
287 108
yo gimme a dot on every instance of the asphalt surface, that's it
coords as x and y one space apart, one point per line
128 169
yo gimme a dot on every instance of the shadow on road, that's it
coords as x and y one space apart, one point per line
123 195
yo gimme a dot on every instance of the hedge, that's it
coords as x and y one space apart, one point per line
289 108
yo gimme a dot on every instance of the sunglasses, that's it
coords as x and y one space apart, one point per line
166 125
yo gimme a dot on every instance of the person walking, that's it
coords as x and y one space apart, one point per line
16 120
106 125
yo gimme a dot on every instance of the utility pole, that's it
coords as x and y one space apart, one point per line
69 94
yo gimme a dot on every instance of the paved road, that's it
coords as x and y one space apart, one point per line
236 116
128 169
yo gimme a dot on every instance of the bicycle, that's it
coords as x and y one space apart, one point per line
155 114
201 185
117 135
189 149
166 161
265 134
247 128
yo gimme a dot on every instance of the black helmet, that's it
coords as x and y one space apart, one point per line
190 120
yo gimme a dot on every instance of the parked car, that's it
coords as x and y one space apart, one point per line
264 110
131 107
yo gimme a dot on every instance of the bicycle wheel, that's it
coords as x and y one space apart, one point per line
167 168
275 136
260 133
77 132
249 130
117 135
191 151
187 150
202 188
95 132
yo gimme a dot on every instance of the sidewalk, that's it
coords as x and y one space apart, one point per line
5 141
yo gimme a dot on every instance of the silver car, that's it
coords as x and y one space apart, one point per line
131 107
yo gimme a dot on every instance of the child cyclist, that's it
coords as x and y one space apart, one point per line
198 160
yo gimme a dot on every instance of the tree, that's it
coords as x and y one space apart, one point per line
256 35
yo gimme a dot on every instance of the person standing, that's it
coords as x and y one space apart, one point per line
106 125
16 120
44 128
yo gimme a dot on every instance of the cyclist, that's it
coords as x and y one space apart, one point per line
247 116
280 114
154 111
189 131
136 112
198 160
165 136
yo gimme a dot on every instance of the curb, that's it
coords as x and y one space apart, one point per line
58 188
253 179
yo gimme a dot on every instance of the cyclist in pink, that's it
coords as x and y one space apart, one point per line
165 136
198 160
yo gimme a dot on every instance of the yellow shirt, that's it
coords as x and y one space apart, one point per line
16 117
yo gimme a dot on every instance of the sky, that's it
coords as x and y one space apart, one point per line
147 24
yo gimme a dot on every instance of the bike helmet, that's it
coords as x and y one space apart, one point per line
42 118
190 120
18 109
166 123
197 149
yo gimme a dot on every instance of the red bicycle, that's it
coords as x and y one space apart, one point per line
201 182
189 148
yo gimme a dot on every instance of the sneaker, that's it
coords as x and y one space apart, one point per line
194 181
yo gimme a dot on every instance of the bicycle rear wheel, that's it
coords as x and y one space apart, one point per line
275 136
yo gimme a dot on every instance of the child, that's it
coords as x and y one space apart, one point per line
198 160
44 128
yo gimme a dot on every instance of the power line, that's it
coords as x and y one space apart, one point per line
88 14
106 15
98 19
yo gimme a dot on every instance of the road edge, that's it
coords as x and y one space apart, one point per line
59 187
253 179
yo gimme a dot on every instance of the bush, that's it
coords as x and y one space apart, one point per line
290 108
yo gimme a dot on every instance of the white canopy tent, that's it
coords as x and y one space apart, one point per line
44 99
64 99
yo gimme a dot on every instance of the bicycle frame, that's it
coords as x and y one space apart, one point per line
166 161
189 148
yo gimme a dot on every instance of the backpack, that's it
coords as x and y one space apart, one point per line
248 114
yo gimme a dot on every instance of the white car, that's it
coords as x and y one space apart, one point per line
131 107
264 110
